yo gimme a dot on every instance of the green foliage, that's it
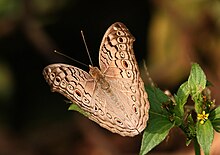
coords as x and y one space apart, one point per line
167 112
205 135
75 107
9 8
181 98
196 84
197 80
159 124
215 119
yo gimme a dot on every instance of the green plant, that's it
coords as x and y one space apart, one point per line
167 112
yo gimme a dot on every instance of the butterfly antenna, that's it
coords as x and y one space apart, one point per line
86 47
148 75
70 58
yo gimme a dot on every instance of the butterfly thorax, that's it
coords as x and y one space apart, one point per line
99 77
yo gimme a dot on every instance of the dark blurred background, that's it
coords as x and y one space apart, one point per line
169 36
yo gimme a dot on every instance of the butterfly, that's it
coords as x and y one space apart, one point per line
114 95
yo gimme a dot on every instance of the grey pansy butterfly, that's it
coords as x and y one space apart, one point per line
114 95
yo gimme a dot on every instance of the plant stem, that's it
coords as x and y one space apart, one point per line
196 146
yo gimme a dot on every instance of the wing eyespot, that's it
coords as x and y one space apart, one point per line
78 94
135 108
122 46
122 54
129 73
52 76
85 101
57 80
109 115
63 84
125 64
120 33
133 98
120 40
96 108
118 121
133 89
70 87
101 112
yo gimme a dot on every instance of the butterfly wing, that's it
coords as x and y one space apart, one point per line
118 64
72 82
116 54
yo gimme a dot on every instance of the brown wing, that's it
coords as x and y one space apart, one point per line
72 82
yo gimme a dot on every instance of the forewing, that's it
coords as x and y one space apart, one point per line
72 82
116 56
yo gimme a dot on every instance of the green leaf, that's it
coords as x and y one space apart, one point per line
157 130
215 114
188 141
181 98
216 124
196 146
75 107
189 129
156 98
215 119
159 124
197 80
208 83
197 83
178 120
205 135
198 103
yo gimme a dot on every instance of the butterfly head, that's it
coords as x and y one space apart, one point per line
94 72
